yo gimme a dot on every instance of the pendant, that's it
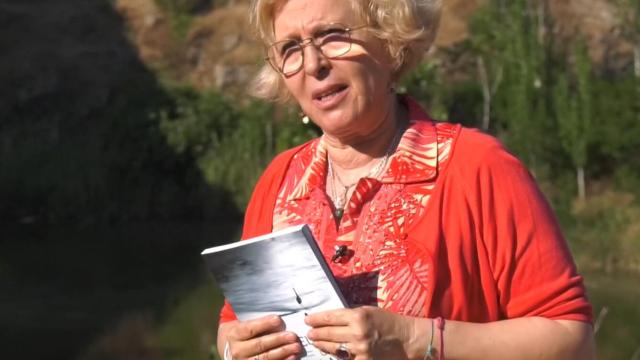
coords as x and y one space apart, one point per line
339 213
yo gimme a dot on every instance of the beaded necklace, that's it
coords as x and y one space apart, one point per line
339 198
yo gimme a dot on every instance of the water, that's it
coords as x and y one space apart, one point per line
618 336
63 288
140 291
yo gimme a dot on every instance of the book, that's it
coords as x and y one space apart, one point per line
282 273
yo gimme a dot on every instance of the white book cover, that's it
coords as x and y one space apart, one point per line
282 273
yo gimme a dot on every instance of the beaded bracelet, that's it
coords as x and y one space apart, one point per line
430 349
440 324
430 353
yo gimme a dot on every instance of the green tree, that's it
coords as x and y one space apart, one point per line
510 42
487 42
426 86
616 134
230 144
227 144
573 102
630 20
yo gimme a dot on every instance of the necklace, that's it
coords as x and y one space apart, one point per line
339 198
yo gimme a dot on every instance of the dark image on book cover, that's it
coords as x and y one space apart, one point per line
281 273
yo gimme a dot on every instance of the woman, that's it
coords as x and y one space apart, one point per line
448 244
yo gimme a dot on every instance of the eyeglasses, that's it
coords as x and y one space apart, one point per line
287 56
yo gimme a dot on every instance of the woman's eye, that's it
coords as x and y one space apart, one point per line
332 31
288 48
334 34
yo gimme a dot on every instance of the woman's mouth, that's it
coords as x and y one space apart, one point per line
330 97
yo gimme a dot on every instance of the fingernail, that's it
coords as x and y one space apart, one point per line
296 348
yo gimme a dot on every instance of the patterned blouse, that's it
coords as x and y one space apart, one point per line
378 269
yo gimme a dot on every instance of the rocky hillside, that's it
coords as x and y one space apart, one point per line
219 51
81 82
46 42
599 21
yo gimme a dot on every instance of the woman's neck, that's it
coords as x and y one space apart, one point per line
352 158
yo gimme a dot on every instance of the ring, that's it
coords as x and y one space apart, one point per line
343 352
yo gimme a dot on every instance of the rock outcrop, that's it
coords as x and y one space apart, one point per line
219 51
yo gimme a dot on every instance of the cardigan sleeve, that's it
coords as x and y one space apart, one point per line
529 259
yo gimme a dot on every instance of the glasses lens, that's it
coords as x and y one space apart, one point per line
286 56
292 63
335 43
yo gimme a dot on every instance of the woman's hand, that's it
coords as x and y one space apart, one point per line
366 332
261 339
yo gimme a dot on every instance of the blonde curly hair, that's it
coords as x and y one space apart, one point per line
407 27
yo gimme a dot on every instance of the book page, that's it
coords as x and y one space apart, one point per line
280 275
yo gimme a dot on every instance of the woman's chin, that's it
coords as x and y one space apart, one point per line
345 131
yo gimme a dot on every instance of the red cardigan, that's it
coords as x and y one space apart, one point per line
497 250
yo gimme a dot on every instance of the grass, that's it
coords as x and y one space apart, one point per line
142 293
131 291
190 329
619 334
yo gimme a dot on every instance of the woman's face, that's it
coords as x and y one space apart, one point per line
347 97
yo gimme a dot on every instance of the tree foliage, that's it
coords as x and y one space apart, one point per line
508 35
573 107
231 144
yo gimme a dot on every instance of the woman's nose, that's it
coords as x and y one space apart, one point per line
314 60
